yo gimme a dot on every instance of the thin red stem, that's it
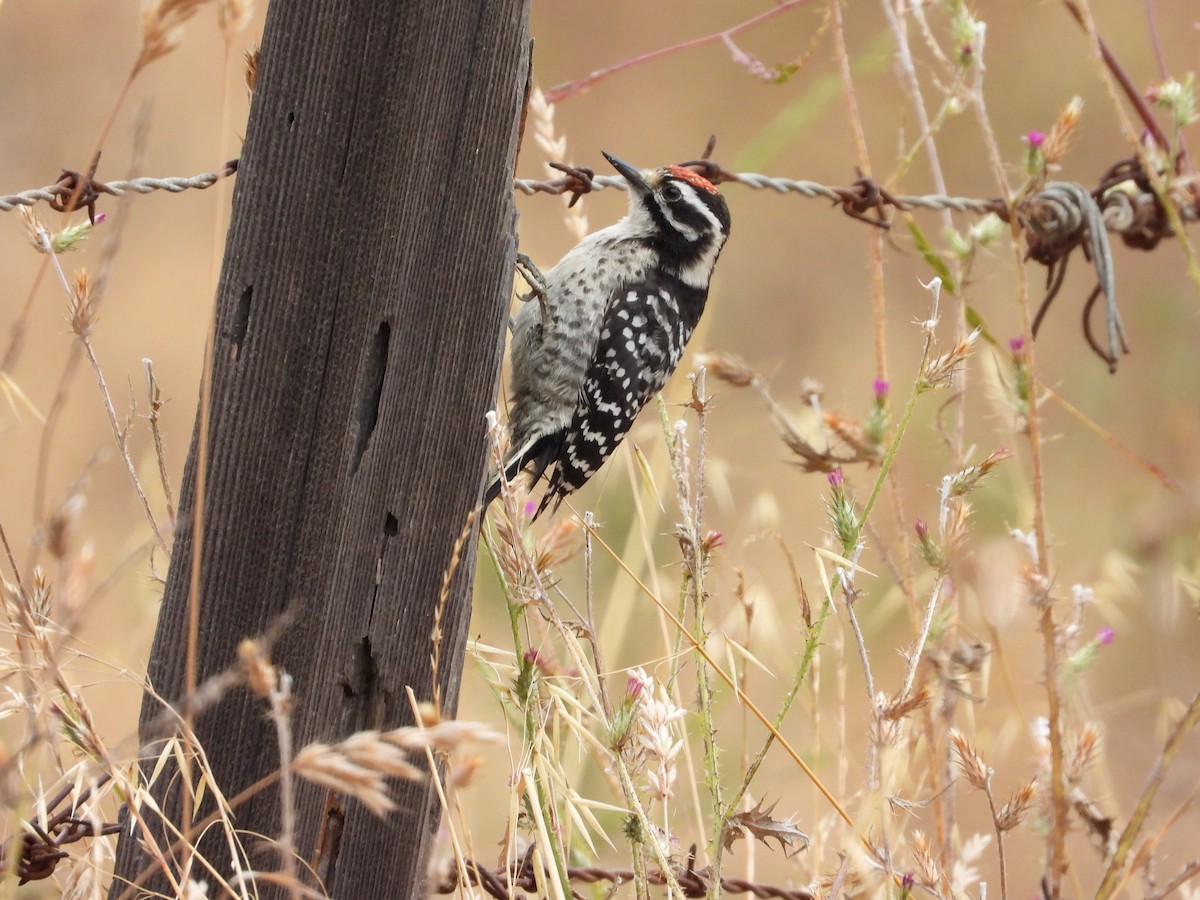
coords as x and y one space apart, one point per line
562 91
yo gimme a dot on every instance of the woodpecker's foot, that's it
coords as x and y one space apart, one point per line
533 277
537 288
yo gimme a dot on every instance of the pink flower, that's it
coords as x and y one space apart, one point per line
836 479
1017 344
1035 139
921 529
1105 637
638 683
881 388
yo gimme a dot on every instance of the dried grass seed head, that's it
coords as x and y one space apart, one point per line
969 760
371 750
561 542
261 676
727 367
927 872
251 68
1083 752
358 765
81 308
329 766
234 16
1062 134
162 28
940 370
900 707
1013 812
59 527
444 735
853 434
811 392
39 598
965 480
33 228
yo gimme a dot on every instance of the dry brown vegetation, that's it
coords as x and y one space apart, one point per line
885 599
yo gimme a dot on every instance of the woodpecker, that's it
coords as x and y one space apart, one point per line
611 321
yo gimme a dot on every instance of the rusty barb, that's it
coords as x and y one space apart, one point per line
1060 219
75 191
41 845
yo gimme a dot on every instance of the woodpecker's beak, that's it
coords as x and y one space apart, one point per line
630 173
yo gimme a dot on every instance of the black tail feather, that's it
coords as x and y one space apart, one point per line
540 453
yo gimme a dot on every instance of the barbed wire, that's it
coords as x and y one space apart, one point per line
501 882
59 194
62 189
859 193
1123 212
1060 218
40 844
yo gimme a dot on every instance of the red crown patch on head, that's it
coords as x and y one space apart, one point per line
692 178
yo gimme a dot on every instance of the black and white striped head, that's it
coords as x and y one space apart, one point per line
680 214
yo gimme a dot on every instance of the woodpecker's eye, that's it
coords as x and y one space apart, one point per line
671 193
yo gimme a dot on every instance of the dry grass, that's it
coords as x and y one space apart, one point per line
691 701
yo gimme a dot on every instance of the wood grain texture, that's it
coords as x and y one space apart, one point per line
358 338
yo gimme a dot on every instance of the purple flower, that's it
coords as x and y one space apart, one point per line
1035 139
1016 345
530 507
837 479
881 388
921 529
1105 637
638 683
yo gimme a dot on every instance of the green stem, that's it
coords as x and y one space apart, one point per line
890 456
1125 844
810 652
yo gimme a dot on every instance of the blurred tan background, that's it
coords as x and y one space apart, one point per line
792 296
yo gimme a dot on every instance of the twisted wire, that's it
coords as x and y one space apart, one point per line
809 189
1121 211
52 193
1082 206
1063 216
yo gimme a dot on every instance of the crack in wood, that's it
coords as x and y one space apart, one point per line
370 391
241 321
329 842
